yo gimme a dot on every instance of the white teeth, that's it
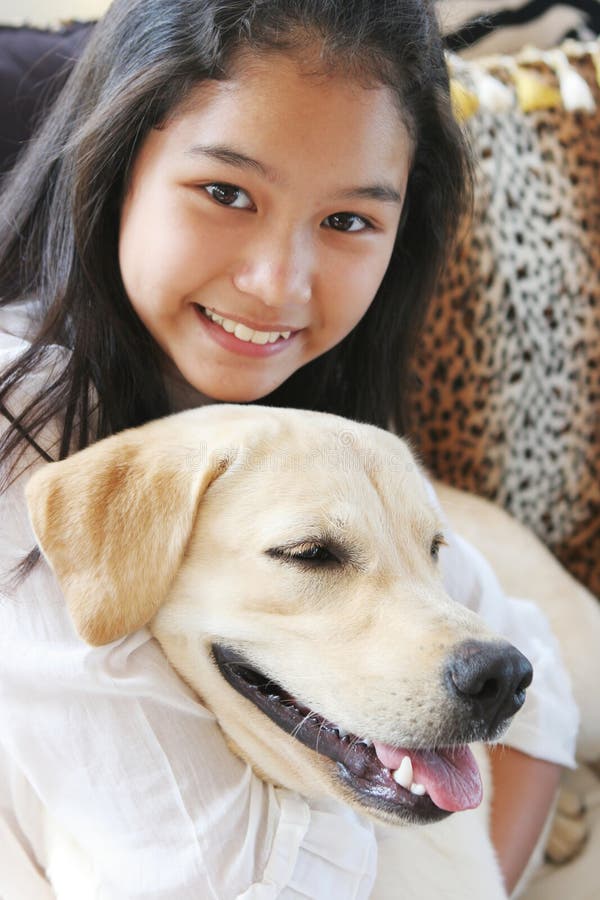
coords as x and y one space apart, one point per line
418 789
342 733
243 333
404 775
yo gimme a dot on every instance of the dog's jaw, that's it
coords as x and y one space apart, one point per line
451 776
311 760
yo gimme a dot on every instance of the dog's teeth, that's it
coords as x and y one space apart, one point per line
404 774
418 789
343 734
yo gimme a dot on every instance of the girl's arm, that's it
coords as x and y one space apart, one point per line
524 792
138 773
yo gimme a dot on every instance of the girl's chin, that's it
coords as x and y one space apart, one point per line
236 396
186 389
197 392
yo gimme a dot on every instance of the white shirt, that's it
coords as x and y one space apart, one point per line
130 763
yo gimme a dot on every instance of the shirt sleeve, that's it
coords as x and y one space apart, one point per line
546 726
136 769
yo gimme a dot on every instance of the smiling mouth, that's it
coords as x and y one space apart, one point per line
243 332
434 782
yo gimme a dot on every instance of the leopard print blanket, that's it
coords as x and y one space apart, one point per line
507 403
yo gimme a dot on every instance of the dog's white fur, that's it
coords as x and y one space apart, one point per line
210 491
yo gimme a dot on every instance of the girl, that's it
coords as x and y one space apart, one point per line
232 200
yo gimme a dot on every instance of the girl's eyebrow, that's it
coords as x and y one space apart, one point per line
231 157
383 192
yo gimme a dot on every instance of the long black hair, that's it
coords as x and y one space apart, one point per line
59 211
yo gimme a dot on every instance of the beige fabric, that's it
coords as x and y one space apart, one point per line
580 879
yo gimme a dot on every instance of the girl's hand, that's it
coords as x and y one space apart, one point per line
524 790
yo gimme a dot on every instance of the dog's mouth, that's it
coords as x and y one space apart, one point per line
412 784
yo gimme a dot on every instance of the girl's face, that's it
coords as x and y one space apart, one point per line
259 223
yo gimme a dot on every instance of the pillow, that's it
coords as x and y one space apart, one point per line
477 27
49 13
33 66
507 402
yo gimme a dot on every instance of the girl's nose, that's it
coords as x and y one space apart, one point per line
278 272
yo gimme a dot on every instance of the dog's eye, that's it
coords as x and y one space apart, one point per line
311 553
436 543
314 553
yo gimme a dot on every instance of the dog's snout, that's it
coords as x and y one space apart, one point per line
492 678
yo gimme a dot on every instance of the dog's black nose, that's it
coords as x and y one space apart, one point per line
492 678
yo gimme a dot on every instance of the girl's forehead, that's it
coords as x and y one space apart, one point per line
283 104
277 73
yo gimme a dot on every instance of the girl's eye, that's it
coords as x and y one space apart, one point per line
229 195
347 222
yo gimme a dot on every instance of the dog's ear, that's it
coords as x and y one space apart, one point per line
113 522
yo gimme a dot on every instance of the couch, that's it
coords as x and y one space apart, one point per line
506 403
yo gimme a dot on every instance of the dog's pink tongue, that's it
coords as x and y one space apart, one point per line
450 777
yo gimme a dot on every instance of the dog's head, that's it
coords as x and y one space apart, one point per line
286 561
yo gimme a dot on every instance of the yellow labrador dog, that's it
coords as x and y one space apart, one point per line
286 561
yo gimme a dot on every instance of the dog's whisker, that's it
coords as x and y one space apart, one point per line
294 733
319 735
